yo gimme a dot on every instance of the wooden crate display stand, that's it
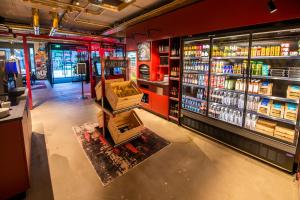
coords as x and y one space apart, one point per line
117 115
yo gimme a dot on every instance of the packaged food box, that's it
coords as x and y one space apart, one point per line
283 133
265 106
265 126
277 110
265 88
293 92
291 111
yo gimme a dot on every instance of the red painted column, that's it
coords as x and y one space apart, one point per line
92 83
26 56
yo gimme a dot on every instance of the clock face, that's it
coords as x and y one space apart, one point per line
144 51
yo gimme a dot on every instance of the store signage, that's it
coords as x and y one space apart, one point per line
144 53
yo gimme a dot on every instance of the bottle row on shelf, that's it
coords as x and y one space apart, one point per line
195 79
163 48
223 82
194 105
174 92
282 49
195 65
227 68
175 51
229 51
174 111
196 50
226 114
232 99
175 72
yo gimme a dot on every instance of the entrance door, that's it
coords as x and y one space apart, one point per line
63 64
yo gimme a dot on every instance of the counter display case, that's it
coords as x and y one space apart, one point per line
251 87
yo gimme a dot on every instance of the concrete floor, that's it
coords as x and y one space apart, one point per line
192 167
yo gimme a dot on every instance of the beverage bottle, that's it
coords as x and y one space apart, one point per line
248 121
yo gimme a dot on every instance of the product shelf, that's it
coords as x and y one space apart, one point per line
196 58
227 74
193 98
276 98
274 57
230 57
227 90
174 98
174 78
276 78
272 118
193 85
173 118
195 72
226 106
175 57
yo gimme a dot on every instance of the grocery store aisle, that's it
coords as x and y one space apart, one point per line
192 167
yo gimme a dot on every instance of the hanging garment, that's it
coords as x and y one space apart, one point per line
11 67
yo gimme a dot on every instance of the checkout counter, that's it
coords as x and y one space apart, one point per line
15 143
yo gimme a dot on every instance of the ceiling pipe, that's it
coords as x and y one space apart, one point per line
54 27
36 21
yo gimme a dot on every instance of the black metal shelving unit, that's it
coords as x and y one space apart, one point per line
242 56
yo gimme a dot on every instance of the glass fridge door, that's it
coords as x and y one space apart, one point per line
228 73
195 75
274 87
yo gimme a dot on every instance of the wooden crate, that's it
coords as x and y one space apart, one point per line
117 101
98 87
100 119
125 126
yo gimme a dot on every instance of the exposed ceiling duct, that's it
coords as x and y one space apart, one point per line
54 27
36 21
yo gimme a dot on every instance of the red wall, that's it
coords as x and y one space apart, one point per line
212 15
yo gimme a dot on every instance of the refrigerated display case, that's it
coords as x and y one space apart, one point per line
252 92
195 75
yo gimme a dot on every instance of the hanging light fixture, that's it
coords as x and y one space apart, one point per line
54 24
272 6
36 21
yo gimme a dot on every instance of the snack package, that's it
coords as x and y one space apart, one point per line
293 92
265 88
265 126
265 106
291 111
277 110
283 133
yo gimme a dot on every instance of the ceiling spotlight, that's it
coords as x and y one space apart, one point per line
272 6
77 3
127 1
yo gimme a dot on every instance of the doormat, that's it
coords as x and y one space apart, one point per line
39 85
111 162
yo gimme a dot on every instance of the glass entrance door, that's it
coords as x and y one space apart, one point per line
63 64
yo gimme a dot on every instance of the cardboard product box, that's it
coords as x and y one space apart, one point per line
283 133
265 126
277 110
264 106
291 111
125 126
293 92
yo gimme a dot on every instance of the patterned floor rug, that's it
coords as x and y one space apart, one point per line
110 162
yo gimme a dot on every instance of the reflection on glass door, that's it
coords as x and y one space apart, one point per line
19 53
63 64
